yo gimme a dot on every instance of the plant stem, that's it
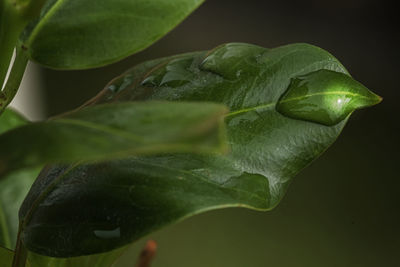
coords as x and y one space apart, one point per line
10 29
21 252
14 80
14 16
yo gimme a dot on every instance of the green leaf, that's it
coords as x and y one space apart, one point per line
109 259
11 119
90 33
13 188
121 201
114 131
6 257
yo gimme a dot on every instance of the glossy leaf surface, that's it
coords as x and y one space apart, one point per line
83 34
87 208
114 131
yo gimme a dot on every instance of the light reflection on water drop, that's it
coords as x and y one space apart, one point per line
108 234
326 97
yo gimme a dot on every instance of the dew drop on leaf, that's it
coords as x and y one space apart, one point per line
107 234
324 96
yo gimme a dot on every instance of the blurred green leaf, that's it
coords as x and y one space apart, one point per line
11 119
13 188
6 257
89 208
91 33
108 259
114 131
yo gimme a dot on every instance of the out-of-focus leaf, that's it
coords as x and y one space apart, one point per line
114 131
6 257
13 188
108 259
11 119
88 208
84 34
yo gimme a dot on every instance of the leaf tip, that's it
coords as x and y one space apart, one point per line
325 97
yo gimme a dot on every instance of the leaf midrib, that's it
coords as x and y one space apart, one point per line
267 105
103 128
38 26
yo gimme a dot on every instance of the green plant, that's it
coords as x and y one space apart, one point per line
228 127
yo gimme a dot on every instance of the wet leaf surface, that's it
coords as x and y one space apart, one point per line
89 208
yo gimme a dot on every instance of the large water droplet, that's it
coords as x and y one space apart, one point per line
233 60
324 96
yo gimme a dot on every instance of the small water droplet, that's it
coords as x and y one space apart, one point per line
150 81
112 88
108 234
174 74
326 97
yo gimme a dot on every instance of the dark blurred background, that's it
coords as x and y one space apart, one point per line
343 210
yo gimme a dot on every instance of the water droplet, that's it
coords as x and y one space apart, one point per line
150 81
233 60
112 88
108 234
326 97
174 74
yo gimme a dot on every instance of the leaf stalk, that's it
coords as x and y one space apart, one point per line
14 16
10 28
14 80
